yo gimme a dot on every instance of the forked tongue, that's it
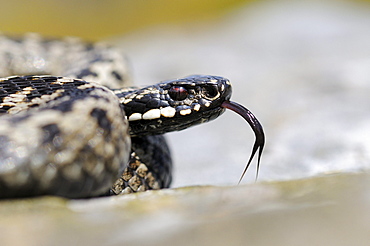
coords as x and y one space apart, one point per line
256 127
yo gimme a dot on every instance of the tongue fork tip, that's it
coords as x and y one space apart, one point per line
257 129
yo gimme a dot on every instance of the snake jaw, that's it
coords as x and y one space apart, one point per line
257 129
175 105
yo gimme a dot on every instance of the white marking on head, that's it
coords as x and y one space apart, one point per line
207 104
135 116
185 111
168 112
152 114
125 101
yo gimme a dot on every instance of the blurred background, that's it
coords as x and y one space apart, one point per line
302 67
96 20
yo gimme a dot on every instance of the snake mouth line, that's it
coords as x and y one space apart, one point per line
257 129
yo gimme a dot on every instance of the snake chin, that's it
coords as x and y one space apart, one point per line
161 126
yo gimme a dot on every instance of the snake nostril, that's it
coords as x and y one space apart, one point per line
178 93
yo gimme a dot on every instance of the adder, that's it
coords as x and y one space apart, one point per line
64 136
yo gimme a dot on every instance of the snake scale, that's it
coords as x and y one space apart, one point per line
64 136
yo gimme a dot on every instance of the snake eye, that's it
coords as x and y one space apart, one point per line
210 91
178 93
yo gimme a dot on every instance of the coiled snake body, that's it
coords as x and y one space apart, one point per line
68 137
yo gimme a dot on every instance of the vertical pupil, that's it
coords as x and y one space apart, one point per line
178 93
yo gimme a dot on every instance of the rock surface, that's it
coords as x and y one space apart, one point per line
330 210
303 68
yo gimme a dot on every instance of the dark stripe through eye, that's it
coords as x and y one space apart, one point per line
178 93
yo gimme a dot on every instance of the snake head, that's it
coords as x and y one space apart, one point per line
178 104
